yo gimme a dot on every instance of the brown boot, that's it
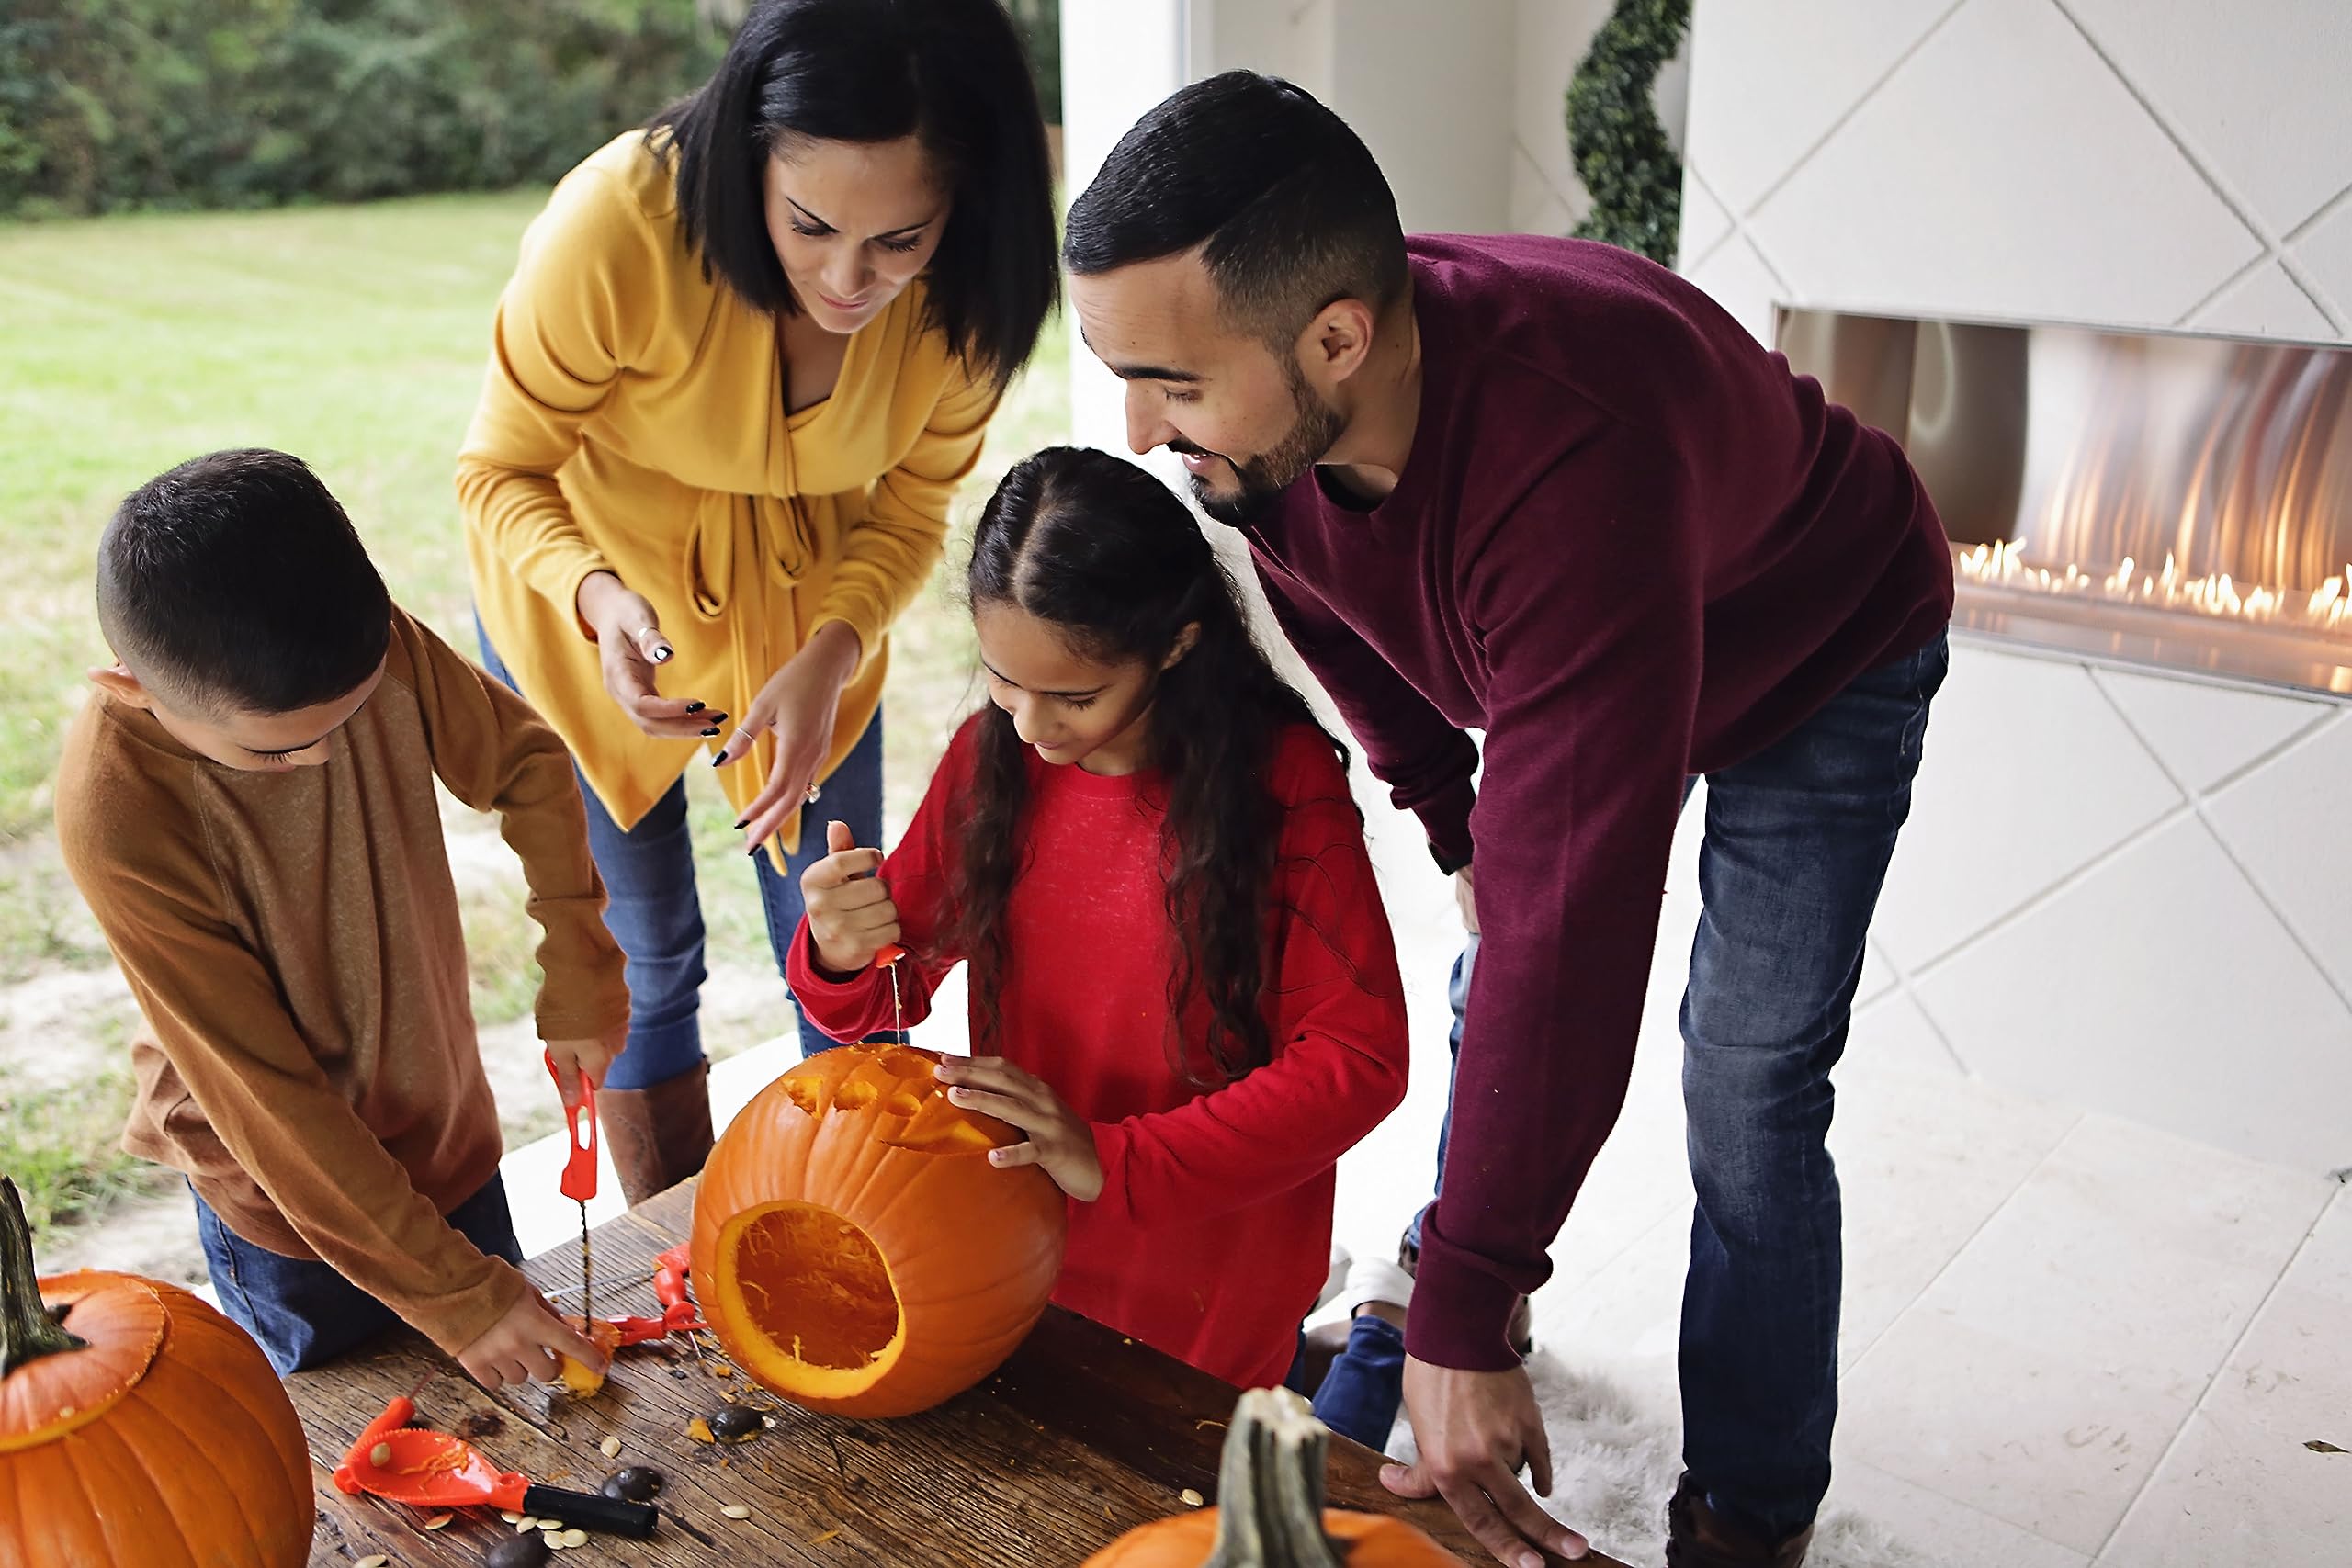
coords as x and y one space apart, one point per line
1519 1333
1697 1537
659 1135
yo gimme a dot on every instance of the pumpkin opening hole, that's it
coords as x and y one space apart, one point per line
816 1285
902 1104
853 1096
901 1063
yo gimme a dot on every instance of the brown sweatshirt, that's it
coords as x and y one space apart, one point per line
292 938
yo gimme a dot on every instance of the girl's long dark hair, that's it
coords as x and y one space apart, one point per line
1106 554
949 72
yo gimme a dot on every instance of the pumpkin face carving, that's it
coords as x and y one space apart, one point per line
855 1250
138 1426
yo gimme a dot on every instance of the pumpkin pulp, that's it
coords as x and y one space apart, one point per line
816 1296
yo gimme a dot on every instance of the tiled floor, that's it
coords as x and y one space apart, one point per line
2068 1339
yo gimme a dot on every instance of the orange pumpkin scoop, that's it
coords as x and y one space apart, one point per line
853 1248
138 1426
1270 1510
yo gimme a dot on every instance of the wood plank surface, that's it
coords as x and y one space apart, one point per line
1082 1435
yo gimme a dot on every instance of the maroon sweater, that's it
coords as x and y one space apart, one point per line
1630 546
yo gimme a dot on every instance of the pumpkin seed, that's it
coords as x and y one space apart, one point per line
439 1521
554 1542
736 1424
1192 1499
610 1448
635 1484
736 1511
380 1455
575 1538
525 1525
512 1518
552 1527
375 1562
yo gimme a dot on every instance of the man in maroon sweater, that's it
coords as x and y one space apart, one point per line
1545 490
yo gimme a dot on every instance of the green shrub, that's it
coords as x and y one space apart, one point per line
1622 151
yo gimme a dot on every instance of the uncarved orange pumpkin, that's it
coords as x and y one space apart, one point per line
853 1248
138 1426
1270 1510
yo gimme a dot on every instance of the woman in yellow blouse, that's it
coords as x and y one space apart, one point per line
744 359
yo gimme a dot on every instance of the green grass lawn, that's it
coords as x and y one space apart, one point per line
353 337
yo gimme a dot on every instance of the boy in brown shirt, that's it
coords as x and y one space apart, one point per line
248 807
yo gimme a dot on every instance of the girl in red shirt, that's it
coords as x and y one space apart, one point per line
1183 987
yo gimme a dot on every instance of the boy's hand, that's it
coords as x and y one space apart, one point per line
525 1343
851 916
1059 1140
629 648
572 1058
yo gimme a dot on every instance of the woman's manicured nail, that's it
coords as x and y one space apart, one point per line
693 707
711 731
739 823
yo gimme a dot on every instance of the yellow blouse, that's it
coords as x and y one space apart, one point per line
633 420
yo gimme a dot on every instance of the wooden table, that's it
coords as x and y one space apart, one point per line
1080 1436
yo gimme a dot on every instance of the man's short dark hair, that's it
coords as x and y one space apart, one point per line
1289 205
236 584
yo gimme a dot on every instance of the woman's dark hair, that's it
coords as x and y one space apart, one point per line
236 584
950 72
1105 553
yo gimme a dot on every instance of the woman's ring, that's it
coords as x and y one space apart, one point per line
814 791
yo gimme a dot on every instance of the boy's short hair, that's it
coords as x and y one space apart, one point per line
236 584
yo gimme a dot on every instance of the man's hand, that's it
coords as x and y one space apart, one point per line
1059 1140
525 1343
1473 1431
573 1058
629 648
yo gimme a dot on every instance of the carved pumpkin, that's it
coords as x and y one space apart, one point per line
1270 1510
853 1248
138 1426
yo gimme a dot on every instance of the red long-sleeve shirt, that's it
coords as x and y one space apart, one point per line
1630 546
1212 1230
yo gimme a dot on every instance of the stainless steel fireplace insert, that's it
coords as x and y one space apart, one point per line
2148 498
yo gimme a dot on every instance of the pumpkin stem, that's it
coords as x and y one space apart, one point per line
28 1330
1270 1487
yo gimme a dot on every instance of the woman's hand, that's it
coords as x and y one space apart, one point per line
799 704
631 645
1059 1139
851 916
526 1343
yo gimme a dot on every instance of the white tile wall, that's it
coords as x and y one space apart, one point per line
2118 889
2161 988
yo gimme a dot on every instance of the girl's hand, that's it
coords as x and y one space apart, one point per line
1059 1139
630 646
851 916
799 704
525 1343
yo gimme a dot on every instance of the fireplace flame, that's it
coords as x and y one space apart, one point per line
2239 480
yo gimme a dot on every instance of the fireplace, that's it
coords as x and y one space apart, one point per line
2144 498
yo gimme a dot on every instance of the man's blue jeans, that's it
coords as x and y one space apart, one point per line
1798 839
654 912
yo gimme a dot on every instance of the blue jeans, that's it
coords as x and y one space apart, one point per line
1798 839
655 914
299 1311
1365 1386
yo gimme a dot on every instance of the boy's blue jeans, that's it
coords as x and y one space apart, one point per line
299 1311
1365 1384
655 913
1798 839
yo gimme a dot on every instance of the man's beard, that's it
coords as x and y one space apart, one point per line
1263 478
